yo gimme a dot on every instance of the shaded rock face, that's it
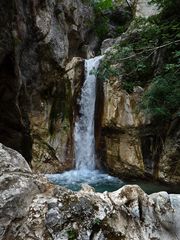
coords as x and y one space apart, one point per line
38 38
120 139
14 124
169 164
128 143
54 153
31 208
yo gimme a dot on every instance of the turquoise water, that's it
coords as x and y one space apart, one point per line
73 180
103 182
152 187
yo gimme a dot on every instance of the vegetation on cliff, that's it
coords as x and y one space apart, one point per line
111 19
148 55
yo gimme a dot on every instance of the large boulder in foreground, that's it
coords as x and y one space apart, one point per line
32 208
17 189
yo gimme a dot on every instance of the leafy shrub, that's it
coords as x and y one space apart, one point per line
162 99
102 21
131 60
72 234
149 55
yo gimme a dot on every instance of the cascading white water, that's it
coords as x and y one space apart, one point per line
85 171
84 126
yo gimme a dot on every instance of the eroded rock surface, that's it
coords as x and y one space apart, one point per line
120 140
37 40
144 9
32 208
17 188
169 165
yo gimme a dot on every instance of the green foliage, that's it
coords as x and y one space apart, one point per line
101 5
129 62
101 21
150 56
101 26
72 234
97 221
163 97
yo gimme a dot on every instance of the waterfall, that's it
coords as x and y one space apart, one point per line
84 142
84 126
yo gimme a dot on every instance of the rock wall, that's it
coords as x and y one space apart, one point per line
120 123
169 164
120 142
38 39
128 142
32 208
14 123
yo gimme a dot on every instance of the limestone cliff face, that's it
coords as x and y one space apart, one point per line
120 122
120 138
129 142
37 39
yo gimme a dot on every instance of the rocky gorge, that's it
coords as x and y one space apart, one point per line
43 47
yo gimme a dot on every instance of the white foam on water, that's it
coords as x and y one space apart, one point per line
73 180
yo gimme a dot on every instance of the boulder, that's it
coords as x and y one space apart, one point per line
17 188
127 213
12 161
32 208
